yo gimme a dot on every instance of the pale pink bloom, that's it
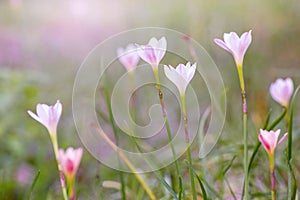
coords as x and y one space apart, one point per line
269 139
154 51
48 115
282 90
181 75
129 56
236 45
70 160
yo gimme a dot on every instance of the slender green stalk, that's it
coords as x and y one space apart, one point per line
61 174
187 141
245 132
117 141
164 112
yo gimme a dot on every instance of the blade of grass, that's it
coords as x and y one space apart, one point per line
229 165
128 163
291 176
158 175
111 119
204 194
36 177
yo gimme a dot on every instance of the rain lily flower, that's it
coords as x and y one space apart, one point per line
236 45
128 57
70 160
153 52
181 75
282 90
48 115
269 139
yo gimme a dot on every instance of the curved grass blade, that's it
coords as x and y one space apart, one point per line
204 194
36 177
292 184
229 165
157 174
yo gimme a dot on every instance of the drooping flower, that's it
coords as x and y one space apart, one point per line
181 75
236 45
154 51
70 160
269 139
282 90
48 115
129 56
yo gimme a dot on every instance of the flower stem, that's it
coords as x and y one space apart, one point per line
245 132
61 174
71 188
164 112
187 141
272 175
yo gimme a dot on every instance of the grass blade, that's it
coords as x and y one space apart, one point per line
36 177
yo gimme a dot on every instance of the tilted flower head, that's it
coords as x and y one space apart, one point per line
282 90
70 160
154 51
269 139
129 56
181 75
236 45
48 115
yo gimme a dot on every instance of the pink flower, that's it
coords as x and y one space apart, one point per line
269 139
235 45
154 51
129 56
48 115
70 160
282 90
181 76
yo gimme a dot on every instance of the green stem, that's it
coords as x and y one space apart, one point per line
272 175
187 141
245 132
61 174
164 112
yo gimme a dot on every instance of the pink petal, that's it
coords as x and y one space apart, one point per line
223 45
264 143
34 116
282 138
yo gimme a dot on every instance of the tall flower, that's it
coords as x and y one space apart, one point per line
48 115
282 90
129 56
69 161
153 52
236 45
181 75
269 139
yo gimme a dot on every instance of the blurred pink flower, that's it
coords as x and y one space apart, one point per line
70 160
129 56
24 174
154 51
181 75
282 90
269 139
48 115
236 45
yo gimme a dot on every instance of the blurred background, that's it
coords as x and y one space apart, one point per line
42 45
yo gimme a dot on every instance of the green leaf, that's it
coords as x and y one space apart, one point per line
36 177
